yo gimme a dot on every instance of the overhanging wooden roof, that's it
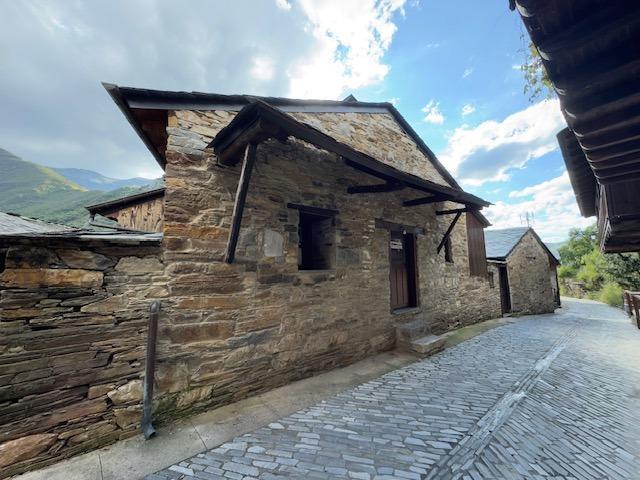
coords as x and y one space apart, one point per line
590 49
591 52
581 176
260 121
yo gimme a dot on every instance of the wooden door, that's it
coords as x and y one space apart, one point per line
402 270
505 292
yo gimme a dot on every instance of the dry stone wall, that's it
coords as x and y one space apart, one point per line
73 319
529 278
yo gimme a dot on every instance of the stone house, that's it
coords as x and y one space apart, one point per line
292 237
525 270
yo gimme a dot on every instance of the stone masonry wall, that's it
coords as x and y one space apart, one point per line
73 318
230 331
529 278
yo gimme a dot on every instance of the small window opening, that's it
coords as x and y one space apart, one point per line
448 252
3 257
491 280
316 235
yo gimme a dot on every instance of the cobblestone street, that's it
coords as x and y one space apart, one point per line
548 396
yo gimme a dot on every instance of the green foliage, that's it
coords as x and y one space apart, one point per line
580 243
611 294
625 268
40 192
592 271
537 84
601 277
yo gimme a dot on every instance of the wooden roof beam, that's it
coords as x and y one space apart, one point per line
425 200
378 188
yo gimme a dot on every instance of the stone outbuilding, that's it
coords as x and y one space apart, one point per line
525 270
291 237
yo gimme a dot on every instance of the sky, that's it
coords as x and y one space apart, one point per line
451 68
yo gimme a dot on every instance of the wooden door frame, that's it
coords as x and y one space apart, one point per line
411 265
505 297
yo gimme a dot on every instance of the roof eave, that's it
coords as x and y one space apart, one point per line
115 93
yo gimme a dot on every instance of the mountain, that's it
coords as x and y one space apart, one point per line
95 181
42 192
555 247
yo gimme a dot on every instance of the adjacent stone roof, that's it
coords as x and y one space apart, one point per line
16 228
500 243
12 223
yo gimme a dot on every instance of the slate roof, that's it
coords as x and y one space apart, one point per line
11 223
16 228
499 243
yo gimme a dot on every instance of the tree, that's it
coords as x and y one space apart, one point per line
581 242
537 83
624 268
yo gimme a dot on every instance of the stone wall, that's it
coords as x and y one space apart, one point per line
235 330
529 277
73 318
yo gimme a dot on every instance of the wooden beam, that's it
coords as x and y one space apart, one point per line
426 200
456 210
241 197
327 212
448 232
256 133
398 227
378 188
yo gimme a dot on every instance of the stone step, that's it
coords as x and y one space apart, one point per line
429 345
407 332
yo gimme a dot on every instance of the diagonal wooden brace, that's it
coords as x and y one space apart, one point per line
448 232
241 197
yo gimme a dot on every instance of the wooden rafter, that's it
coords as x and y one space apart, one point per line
425 200
378 188
449 230
241 198
456 210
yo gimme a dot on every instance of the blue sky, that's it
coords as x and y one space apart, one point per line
451 68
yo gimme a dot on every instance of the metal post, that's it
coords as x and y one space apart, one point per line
149 371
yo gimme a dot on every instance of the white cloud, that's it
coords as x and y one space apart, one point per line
263 68
394 101
318 49
351 40
489 151
283 4
433 113
467 71
552 204
468 109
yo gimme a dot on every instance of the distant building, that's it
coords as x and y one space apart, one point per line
142 211
524 269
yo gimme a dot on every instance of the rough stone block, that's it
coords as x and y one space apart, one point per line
25 448
129 392
429 345
50 277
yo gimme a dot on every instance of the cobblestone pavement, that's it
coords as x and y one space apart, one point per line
549 396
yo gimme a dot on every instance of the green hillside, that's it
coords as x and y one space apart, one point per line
39 192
